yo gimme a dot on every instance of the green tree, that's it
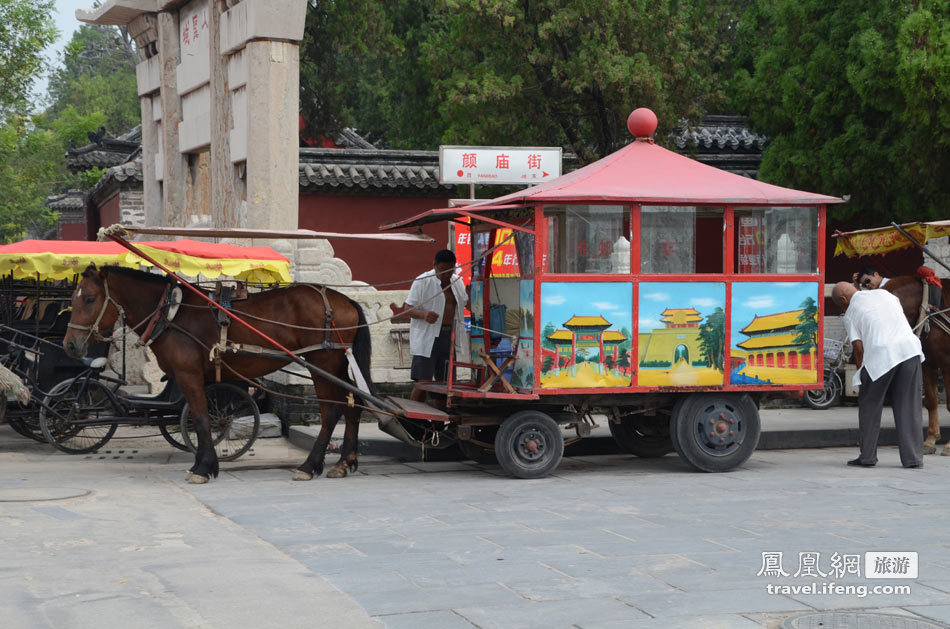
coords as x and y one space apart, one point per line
32 166
26 28
568 72
712 339
855 96
548 330
806 332
97 75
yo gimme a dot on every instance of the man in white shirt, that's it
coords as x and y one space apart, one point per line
888 357
437 302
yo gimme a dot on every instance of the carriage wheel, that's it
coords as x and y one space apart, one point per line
477 453
716 432
72 403
529 444
235 421
171 431
645 437
29 427
821 399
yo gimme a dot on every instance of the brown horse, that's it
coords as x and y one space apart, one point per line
936 346
182 349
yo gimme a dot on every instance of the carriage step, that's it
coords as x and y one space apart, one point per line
419 410
135 390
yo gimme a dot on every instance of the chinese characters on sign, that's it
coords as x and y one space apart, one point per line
877 565
498 165
194 30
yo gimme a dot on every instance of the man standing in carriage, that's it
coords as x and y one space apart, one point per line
436 302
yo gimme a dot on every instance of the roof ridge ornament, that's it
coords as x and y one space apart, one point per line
642 124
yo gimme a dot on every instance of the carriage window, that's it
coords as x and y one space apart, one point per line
776 240
669 243
588 239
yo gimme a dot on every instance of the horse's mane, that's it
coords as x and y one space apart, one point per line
135 274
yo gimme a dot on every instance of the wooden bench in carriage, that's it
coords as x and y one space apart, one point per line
77 407
665 294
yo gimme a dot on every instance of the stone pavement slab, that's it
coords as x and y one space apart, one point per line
609 541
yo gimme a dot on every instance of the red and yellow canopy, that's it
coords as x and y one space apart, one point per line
62 259
866 242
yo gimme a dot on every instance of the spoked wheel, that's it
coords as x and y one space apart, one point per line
74 408
171 431
646 437
529 444
235 421
475 452
28 427
829 396
715 432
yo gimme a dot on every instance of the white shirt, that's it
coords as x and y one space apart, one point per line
875 318
426 294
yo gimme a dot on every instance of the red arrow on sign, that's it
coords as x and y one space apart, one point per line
544 175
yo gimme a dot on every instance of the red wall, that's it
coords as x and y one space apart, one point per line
109 213
375 261
72 231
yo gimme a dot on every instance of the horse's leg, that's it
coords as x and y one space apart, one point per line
945 371
348 461
932 403
206 460
329 416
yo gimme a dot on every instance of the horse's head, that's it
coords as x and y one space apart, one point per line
93 312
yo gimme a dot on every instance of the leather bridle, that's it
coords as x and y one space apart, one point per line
93 330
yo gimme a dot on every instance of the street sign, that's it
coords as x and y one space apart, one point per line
498 164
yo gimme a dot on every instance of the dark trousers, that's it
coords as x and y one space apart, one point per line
903 383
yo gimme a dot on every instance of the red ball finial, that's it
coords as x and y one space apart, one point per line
642 123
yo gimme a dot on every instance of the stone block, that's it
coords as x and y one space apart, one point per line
262 19
148 76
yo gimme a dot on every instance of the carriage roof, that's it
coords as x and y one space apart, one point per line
62 259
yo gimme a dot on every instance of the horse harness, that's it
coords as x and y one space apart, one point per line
931 294
93 329
225 346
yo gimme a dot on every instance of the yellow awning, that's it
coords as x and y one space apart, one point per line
886 239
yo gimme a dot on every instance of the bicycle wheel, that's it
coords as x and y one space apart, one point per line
234 417
70 411
172 433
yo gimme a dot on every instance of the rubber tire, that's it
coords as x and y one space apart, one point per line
829 396
691 419
477 453
223 400
674 420
98 401
173 438
633 441
512 432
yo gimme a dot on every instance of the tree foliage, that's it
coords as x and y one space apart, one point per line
97 75
712 339
26 28
806 332
855 96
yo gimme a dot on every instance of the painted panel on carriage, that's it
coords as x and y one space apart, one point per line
681 334
523 374
774 333
585 334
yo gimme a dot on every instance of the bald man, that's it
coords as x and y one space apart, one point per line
888 357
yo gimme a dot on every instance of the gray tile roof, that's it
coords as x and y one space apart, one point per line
104 152
69 202
371 170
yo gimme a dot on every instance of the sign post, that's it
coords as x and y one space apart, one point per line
498 164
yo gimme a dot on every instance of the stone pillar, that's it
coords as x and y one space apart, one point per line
144 30
228 189
174 165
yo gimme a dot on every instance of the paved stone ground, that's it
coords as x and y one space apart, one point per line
609 541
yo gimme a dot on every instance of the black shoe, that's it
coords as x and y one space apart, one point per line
858 463
913 466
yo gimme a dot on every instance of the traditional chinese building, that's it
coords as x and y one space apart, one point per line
771 342
676 341
586 332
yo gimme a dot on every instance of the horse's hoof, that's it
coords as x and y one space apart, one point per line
196 479
930 449
301 475
945 451
337 472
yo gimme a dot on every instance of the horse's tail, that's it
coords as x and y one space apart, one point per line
363 346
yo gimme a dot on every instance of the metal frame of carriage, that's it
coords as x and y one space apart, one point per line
80 412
